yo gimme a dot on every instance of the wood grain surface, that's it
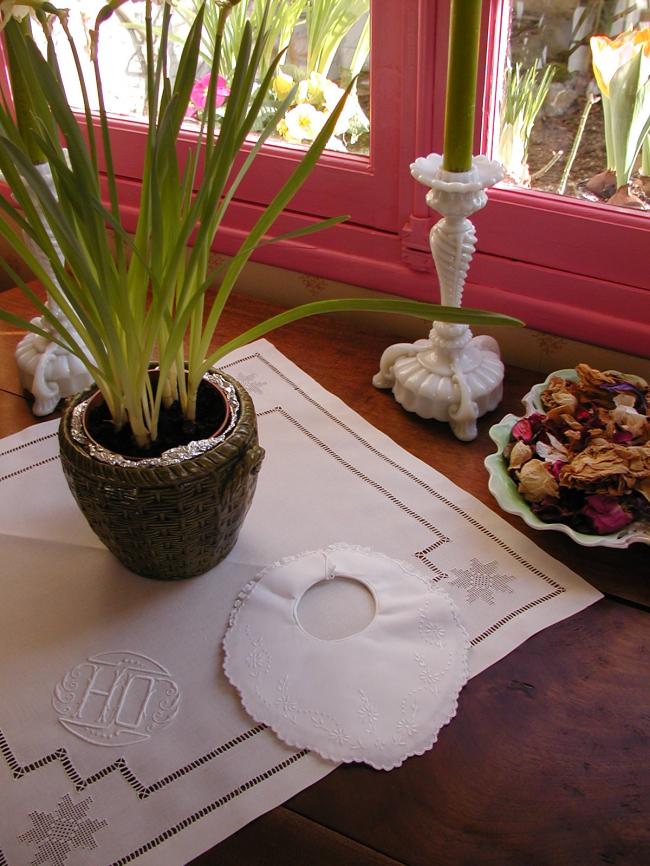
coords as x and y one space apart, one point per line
547 761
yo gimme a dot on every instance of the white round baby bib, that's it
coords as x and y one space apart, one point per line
349 653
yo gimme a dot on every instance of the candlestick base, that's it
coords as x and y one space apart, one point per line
439 380
453 376
49 372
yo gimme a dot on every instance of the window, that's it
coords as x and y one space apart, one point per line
555 123
577 268
566 266
325 44
375 188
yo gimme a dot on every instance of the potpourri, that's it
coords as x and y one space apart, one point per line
585 459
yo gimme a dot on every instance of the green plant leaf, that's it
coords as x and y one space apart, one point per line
367 305
629 104
128 300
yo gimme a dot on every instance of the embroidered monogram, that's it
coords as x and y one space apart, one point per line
57 834
116 698
482 580
425 517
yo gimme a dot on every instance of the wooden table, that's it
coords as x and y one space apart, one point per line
548 759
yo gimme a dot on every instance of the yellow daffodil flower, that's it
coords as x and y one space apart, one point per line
608 55
282 84
622 70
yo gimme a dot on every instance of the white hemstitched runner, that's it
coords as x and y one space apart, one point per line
121 740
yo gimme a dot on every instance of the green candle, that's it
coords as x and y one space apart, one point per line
464 31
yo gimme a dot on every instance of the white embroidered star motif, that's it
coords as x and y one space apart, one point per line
56 834
482 580
252 383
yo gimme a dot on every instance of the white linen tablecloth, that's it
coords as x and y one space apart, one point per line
172 763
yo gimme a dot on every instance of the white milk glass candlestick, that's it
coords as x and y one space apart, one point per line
452 376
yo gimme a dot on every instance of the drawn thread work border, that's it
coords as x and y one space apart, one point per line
120 765
122 768
406 472
422 556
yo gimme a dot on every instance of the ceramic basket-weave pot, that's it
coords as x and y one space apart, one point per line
169 521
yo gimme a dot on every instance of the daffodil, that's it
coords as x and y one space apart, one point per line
316 89
608 55
330 94
622 72
282 84
314 99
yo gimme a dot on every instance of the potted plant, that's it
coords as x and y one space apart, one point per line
131 302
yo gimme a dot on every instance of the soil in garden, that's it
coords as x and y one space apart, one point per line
554 134
173 430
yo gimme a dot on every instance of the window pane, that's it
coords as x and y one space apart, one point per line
327 45
122 56
559 130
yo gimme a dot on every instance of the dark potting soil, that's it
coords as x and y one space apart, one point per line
173 429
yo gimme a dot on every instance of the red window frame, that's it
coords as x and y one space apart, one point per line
568 267
572 268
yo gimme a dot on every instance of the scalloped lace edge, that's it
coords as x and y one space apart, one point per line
459 682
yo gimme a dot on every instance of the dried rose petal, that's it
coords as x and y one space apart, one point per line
643 487
558 398
590 463
608 463
620 387
520 454
625 400
629 419
536 482
523 430
552 450
527 428
606 514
